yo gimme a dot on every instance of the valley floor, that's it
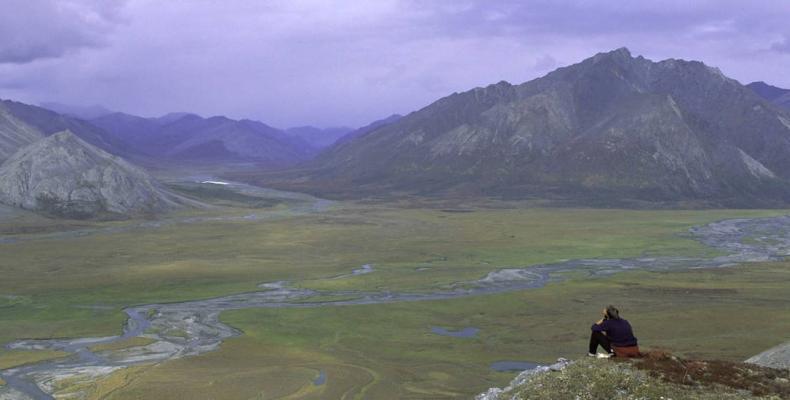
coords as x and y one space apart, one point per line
55 285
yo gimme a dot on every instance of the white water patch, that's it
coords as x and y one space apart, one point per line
273 285
49 382
154 352
509 275
7 393
755 167
365 269
216 183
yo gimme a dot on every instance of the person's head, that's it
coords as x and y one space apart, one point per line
611 312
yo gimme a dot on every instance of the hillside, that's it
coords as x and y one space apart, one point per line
47 122
611 130
64 176
14 133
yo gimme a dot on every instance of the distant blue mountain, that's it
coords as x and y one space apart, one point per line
188 138
81 112
776 95
318 137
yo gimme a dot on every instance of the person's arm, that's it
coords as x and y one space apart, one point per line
599 326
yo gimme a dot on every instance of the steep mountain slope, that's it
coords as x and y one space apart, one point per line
14 133
609 129
188 138
317 137
776 95
48 122
368 128
63 175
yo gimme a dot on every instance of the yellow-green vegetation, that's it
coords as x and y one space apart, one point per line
390 352
76 287
123 344
89 388
15 358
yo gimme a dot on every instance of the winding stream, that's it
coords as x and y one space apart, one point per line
193 327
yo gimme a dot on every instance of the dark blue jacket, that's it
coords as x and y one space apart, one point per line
618 331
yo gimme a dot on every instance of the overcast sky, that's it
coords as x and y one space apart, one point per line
329 63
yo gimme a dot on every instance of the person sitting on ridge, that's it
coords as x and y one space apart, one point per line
614 335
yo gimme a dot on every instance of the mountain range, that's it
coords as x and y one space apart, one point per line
613 129
81 112
22 124
86 170
183 138
776 95
317 137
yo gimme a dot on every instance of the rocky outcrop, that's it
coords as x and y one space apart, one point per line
520 379
64 176
656 375
775 357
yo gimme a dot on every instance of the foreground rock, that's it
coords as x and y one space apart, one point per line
775 357
520 380
64 176
659 375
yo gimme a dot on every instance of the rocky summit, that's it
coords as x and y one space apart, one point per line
614 129
62 175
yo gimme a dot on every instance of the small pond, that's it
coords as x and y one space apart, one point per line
462 333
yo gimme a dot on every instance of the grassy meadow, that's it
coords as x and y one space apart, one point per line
74 287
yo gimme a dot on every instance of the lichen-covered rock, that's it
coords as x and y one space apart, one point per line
518 381
658 375
62 175
775 357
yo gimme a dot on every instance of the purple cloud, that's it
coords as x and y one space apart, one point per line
296 62
38 29
782 46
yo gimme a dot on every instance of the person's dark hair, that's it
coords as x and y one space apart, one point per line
612 312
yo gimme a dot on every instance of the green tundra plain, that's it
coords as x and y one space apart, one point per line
76 286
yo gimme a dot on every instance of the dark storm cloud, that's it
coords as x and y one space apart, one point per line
36 29
294 62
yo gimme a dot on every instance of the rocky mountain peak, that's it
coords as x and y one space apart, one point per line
609 128
620 54
63 175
